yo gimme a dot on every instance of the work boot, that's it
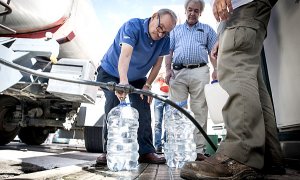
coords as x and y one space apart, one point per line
218 166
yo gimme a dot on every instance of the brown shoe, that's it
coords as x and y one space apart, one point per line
218 167
101 160
200 157
152 158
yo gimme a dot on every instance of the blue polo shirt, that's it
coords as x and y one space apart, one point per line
135 32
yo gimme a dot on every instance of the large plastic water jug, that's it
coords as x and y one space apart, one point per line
216 98
122 144
179 146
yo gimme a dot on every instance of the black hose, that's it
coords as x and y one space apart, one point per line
112 86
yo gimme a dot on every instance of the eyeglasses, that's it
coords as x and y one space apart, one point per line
160 29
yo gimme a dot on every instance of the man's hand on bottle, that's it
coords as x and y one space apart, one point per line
121 94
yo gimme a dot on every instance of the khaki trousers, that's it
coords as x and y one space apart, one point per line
248 113
191 82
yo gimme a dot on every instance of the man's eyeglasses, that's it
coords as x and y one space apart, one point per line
160 29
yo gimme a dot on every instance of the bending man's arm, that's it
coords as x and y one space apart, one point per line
169 71
154 71
124 60
152 76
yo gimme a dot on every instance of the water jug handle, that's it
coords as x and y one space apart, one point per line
214 81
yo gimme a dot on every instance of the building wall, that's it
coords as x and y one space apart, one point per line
283 61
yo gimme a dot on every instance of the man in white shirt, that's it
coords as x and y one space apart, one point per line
251 142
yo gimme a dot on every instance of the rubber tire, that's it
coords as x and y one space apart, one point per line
94 139
33 135
7 107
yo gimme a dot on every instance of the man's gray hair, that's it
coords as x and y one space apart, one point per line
170 12
201 2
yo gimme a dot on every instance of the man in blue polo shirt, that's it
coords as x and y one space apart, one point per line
138 48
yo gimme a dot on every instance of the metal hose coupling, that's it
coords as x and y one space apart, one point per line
113 86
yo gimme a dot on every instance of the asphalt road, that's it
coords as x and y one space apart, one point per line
19 159
72 162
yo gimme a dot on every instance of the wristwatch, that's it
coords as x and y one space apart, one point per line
148 85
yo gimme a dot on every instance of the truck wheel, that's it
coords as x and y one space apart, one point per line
33 135
94 139
7 131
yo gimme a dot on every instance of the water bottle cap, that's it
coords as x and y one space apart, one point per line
182 103
123 103
214 81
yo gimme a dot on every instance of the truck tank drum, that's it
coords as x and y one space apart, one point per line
74 24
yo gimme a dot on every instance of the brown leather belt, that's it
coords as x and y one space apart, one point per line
188 66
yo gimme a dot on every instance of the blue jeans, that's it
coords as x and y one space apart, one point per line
143 107
159 109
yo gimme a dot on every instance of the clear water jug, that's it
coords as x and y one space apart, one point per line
179 146
122 145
